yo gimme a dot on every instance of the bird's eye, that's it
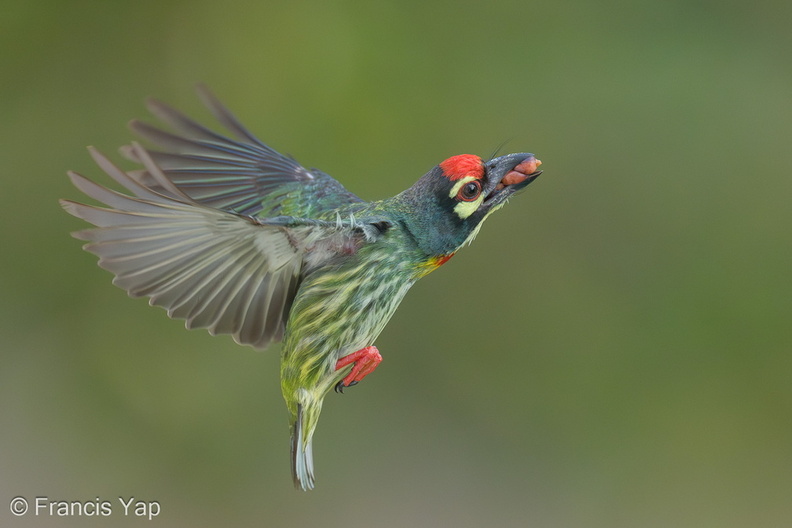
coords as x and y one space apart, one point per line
470 191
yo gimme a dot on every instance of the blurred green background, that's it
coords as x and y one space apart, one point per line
613 351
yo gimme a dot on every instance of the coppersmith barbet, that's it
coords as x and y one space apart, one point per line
234 237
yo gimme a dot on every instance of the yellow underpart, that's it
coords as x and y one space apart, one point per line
465 209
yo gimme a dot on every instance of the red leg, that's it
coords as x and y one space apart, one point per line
365 360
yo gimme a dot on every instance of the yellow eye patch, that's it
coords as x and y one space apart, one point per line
458 185
465 209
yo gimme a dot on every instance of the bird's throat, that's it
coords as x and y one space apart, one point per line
433 263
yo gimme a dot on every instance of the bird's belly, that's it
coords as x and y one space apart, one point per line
335 313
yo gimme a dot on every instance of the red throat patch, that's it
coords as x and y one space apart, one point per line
439 261
457 167
433 263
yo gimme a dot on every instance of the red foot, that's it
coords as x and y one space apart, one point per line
365 360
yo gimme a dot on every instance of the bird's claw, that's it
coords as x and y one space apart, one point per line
340 386
364 362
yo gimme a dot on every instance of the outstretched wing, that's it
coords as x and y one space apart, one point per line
243 175
220 270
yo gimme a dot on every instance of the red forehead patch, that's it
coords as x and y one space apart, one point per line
457 167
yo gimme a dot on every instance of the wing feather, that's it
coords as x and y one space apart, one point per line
241 175
219 270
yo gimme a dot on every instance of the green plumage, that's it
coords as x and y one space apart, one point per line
233 237
338 310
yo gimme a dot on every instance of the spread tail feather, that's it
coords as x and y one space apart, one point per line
301 455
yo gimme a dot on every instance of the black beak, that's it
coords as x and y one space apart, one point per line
508 174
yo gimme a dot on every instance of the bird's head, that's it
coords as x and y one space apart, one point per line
449 203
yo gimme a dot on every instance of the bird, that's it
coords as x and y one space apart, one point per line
226 233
